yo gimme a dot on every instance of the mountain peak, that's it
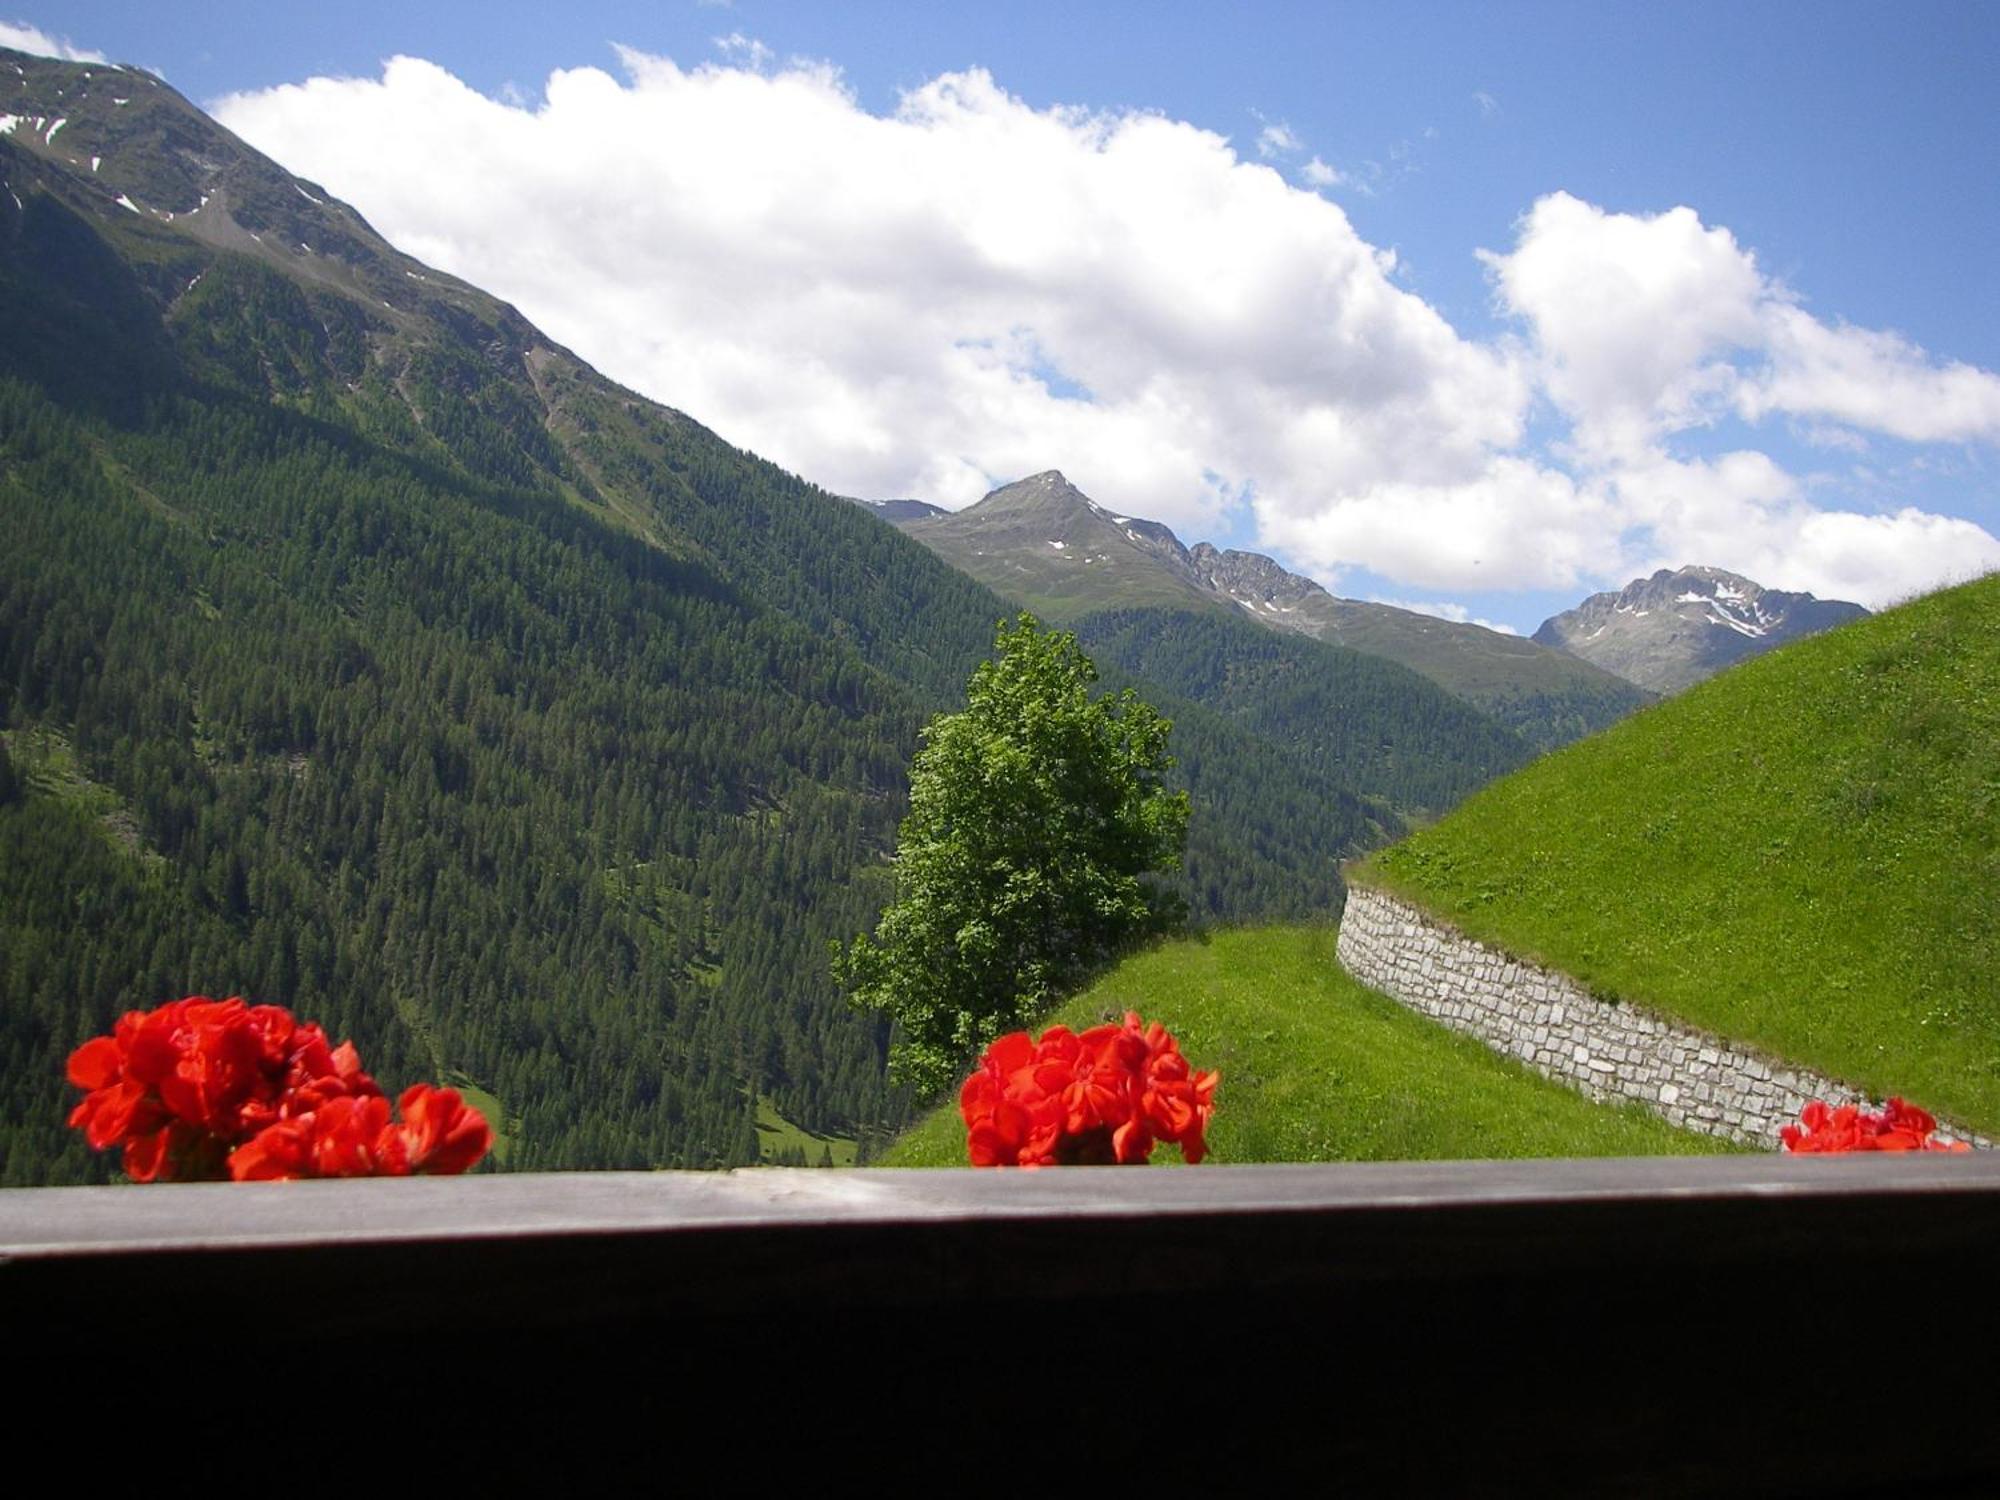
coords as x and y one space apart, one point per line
1669 631
1038 491
125 148
1045 544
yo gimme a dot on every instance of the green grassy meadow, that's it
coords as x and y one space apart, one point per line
1802 854
1317 1068
776 1135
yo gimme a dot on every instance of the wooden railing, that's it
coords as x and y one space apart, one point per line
1718 1325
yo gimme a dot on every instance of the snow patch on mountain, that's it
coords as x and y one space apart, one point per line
1697 620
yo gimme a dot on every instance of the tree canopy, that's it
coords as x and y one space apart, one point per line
1035 814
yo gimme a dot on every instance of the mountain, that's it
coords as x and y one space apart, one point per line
1360 721
363 649
897 511
1801 854
1042 541
1669 631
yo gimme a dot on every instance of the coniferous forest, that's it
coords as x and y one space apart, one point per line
362 651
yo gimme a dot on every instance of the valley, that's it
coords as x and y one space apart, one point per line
363 647
516 726
670 676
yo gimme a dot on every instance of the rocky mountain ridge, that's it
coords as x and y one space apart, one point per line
1671 630
1044 542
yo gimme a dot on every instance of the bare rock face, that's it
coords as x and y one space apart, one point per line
1253 580
1670 631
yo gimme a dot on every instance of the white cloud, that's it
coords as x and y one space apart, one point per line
1745 507
1629 316
1458 614
745 50
19 36
1278 139
968 289
1882 559
907 304
1877 381
1648 325
1488 105
1515 524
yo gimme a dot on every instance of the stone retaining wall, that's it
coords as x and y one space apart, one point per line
1551 1023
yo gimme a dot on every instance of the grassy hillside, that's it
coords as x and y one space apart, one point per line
1316 1068
1802 853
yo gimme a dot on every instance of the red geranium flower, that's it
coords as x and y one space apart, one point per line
1899 1127
342 1138
442 1134
1105 1096
210 1089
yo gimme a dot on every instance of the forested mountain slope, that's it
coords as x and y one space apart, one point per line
1361 720
362 650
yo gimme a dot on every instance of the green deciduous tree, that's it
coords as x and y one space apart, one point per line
1034 815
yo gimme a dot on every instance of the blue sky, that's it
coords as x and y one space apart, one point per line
1793 377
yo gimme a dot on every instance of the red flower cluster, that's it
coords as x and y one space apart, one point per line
1105 1096
201 1090
1900 1127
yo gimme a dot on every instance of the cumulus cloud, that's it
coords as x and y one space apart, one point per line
1651 324
1745 507
967 289
1515 524
1630 316
1867 379
1878 560
19 36
1646 326
927 302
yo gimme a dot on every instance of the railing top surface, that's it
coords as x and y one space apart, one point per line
61 1222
